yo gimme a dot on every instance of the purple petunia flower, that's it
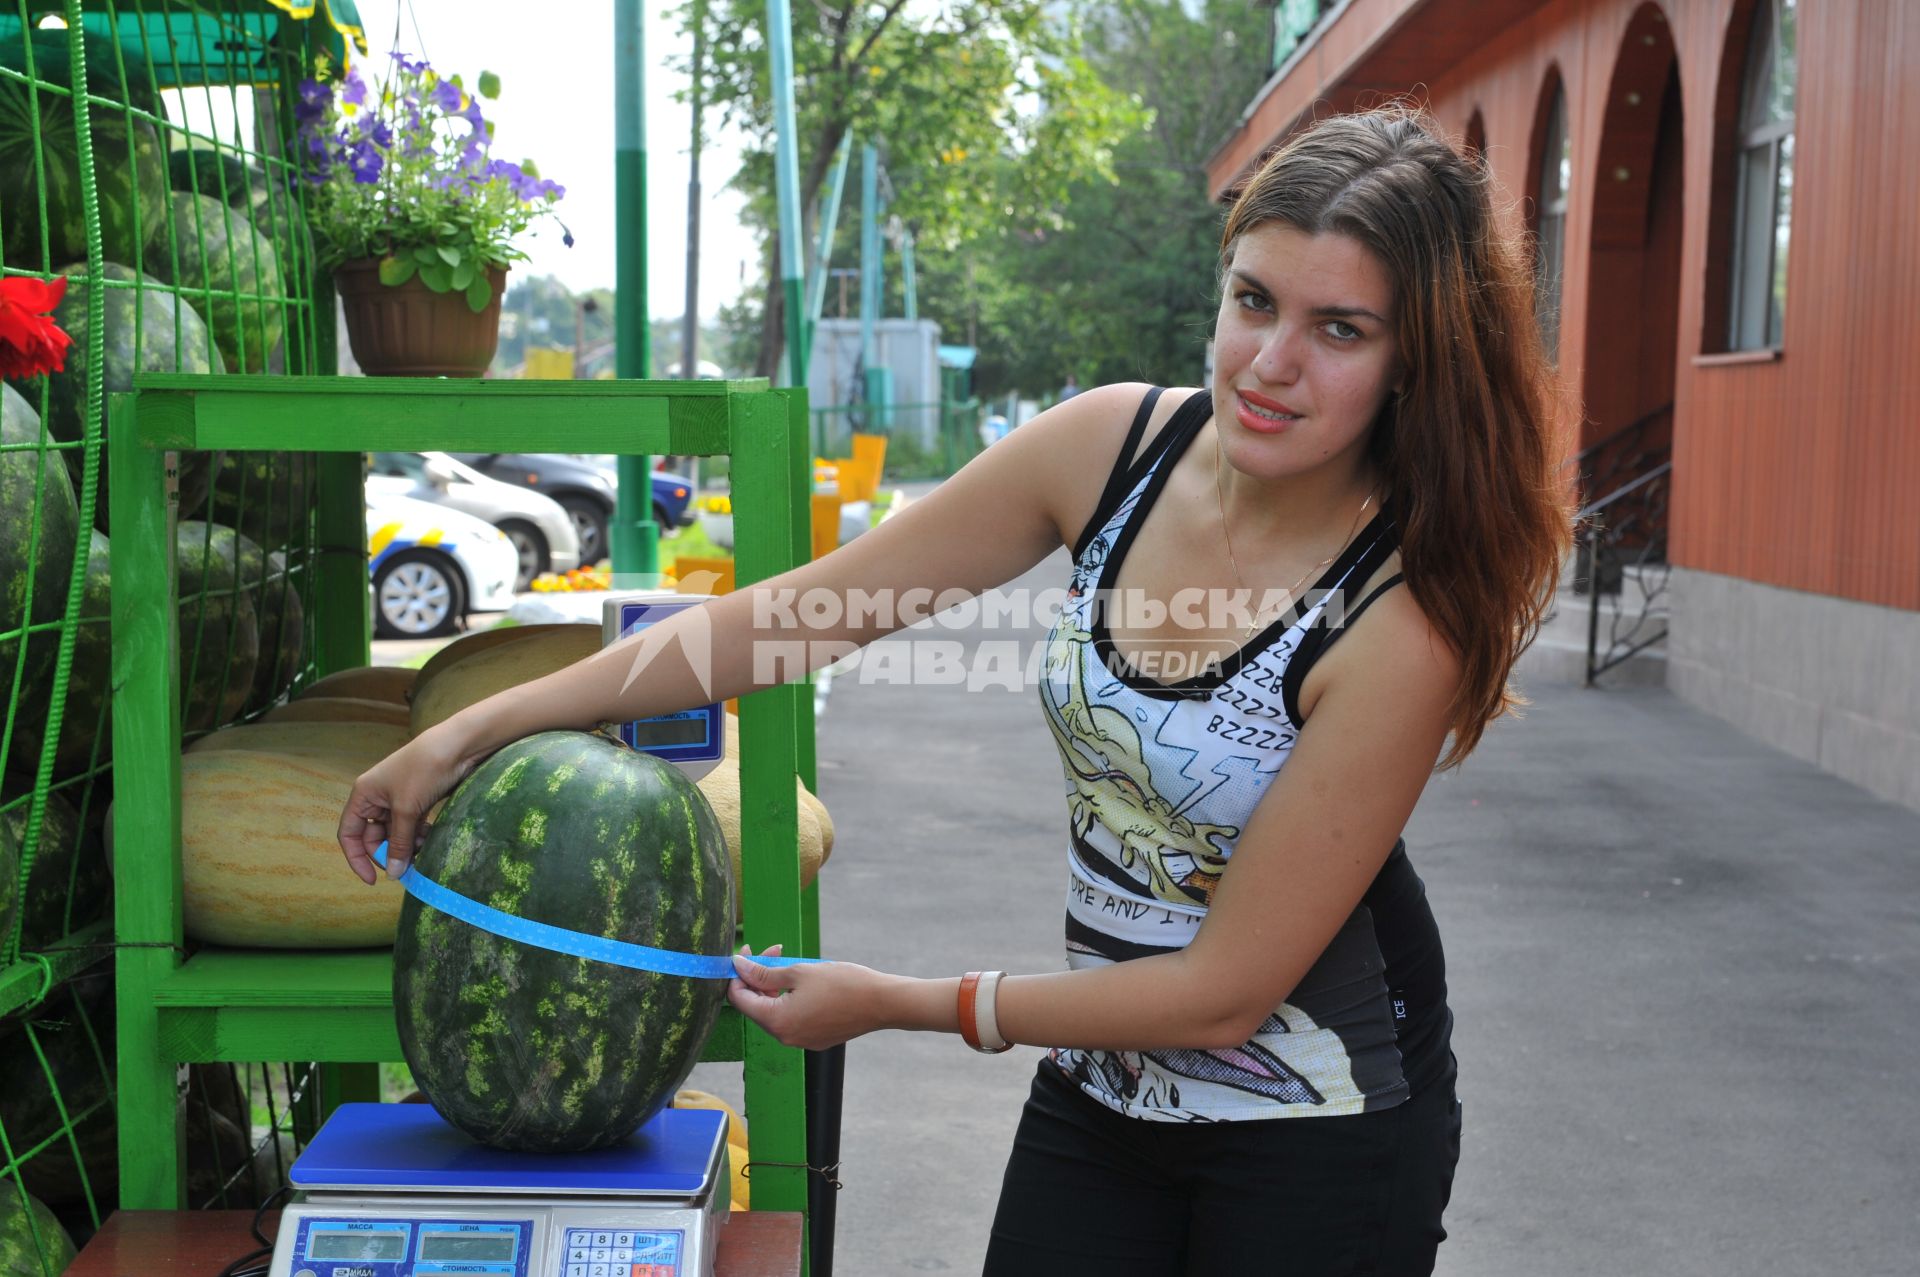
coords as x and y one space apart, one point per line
355 90
410 65
380 135
446 96
365 162
310 102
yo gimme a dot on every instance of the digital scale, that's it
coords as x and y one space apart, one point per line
392 1190
694 740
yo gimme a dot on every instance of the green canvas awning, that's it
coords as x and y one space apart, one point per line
190 43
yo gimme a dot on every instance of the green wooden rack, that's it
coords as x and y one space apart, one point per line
336 1008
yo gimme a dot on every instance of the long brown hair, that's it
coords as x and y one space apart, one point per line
1471 448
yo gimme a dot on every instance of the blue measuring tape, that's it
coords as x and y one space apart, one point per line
561 940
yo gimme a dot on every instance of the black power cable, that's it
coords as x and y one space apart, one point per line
247 1265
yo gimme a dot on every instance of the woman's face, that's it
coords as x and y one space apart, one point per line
1303 351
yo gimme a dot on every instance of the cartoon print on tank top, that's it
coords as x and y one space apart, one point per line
1158 788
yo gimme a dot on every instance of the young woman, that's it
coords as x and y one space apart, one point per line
1290 589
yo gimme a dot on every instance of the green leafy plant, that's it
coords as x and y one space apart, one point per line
402 173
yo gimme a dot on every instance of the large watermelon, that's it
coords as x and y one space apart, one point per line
265 495
9 878
219 627
147 330
32 483
527 1049
32 1242
88 719
69 865
67 1028
268 202
230 274
129 163
277 603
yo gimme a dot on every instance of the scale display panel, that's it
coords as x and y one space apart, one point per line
694 740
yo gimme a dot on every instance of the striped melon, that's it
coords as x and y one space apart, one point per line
368 683
447 691
337 709
259 858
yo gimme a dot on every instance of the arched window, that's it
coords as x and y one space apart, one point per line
1763 203
1550 221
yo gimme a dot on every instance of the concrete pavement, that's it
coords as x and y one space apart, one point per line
1682 965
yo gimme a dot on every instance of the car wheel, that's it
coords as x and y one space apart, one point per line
418 594
668 528
532 549
590 524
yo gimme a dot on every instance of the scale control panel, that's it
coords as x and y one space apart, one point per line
653 1253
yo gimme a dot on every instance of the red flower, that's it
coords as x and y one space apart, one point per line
30 342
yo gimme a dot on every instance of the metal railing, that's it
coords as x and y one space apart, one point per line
925 440
1621 539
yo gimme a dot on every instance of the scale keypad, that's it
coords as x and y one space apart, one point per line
606 1253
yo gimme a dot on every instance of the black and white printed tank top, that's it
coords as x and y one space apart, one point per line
1160 779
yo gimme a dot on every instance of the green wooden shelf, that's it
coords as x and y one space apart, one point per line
336 1007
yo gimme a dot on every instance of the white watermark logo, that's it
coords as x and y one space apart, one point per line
1192 634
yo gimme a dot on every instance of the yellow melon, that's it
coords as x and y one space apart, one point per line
722 788
807 798
471 680
369 682
357 746
260 862
479 641
736 1140
337 709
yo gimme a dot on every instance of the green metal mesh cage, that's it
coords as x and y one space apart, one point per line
145 161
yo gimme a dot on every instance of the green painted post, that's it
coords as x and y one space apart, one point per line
343 629
147 881
634 537
764 544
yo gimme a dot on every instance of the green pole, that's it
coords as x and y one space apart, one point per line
635 536
829 225
906 270
878 383
786 171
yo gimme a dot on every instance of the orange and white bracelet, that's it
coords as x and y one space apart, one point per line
979 1026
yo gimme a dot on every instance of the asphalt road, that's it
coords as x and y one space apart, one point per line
1682 968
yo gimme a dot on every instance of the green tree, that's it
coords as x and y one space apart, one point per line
1121 284
985 109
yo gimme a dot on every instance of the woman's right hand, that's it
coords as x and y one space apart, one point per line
390 799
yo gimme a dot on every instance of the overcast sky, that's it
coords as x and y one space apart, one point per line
555 63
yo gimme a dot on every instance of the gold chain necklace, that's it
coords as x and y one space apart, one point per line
1254 625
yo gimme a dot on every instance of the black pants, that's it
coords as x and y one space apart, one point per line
1088 1190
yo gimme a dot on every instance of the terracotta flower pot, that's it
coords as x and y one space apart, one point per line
412 331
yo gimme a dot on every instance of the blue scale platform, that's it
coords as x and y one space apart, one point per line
411 1148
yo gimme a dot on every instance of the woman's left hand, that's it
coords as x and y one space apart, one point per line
815 1006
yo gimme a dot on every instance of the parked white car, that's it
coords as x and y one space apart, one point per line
542 532
430 566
